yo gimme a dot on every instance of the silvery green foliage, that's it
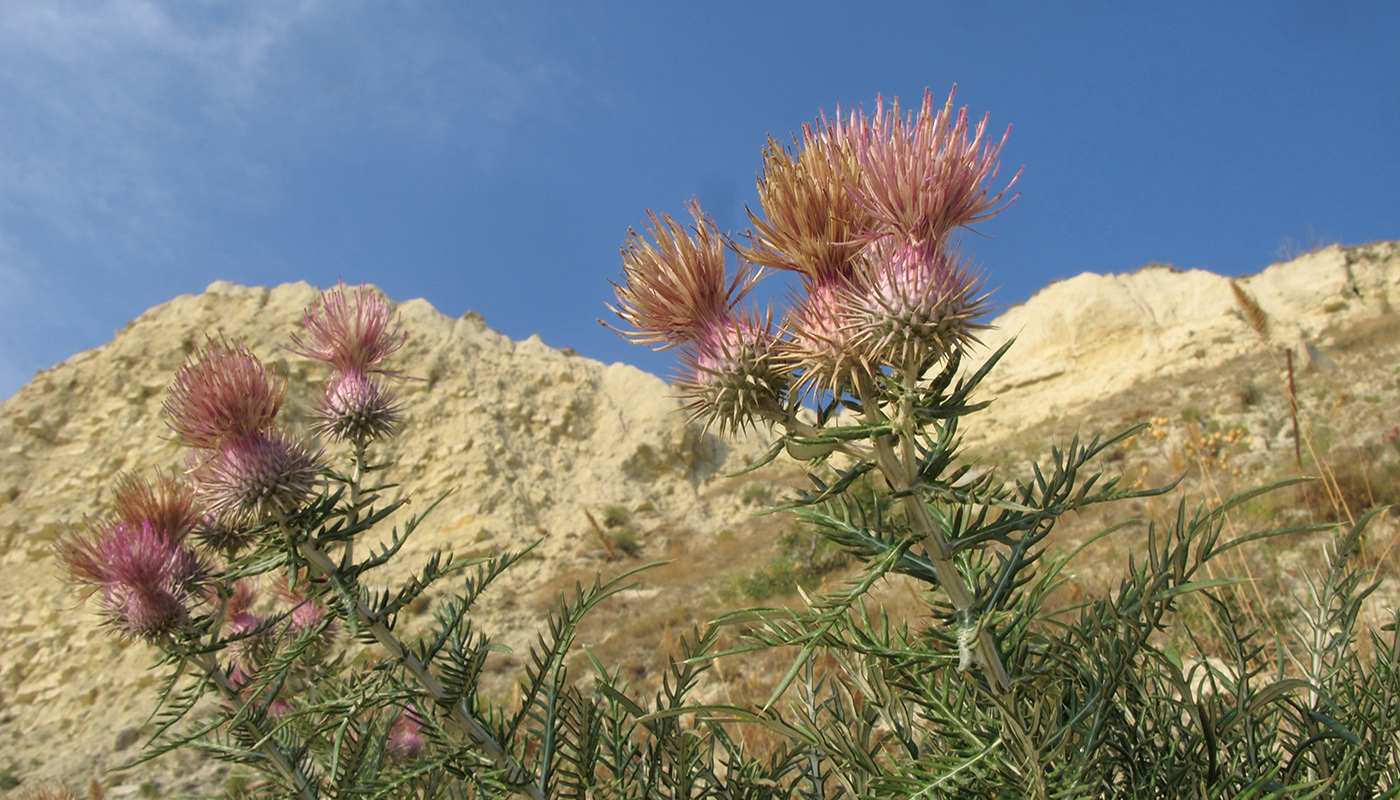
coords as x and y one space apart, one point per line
989 694
1096 701
1097 704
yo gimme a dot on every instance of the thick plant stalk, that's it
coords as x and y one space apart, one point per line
357 473
322 563
266 745
900 474
949 578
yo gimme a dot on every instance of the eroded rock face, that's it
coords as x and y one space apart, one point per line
525 438
1091 336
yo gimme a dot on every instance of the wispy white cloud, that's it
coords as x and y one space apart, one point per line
131 124
107 101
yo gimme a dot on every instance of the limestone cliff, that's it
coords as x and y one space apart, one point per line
526 438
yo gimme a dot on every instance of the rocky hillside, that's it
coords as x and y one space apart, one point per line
1093 336
527 439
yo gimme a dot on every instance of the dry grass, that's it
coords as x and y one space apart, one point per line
1219 435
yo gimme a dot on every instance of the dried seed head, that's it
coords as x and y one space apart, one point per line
730 374
920 177
351 334
251 478
222 392
811 223
677 287
168 504
914 303
357 407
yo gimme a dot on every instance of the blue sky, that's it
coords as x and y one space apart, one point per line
491 156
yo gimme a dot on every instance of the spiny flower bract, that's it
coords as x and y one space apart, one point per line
355 406
914 303
249 479
820 349
729 372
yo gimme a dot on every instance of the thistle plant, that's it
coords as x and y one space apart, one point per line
996 693
225 569
224 566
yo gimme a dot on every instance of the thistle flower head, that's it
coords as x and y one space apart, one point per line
222 392
357 407
406 740
351 334
307 614
730 373
920 177
811 223
251 478
243 679
146 579
820 348
220 536
914 302
168 504
677 286
251 640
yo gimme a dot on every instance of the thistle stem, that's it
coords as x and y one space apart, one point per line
926 530
322 563
906 415
269 748
357 472
901 477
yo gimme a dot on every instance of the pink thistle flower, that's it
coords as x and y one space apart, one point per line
353 336
677 287
242 680
921 177
168 504
820 348
222 392
812 223
253 477
356 407
251 641
147 580
730 374
308 614
915 302
406 739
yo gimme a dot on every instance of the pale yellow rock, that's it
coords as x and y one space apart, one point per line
521 437
1091 336
524 438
